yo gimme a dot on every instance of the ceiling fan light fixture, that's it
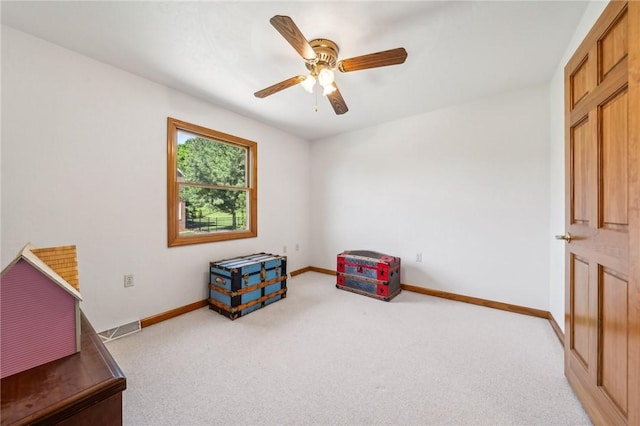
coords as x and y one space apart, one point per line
326 77
308 83
328 89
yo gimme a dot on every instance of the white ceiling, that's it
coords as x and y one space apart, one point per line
223 52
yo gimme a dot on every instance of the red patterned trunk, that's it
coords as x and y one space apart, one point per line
369 273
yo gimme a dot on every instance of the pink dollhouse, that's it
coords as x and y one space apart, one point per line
40 308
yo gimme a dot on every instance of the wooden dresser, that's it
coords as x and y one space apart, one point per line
80 389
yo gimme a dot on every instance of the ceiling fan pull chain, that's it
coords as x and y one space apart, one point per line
315 107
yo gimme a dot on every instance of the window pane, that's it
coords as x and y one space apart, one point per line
207 210
202 160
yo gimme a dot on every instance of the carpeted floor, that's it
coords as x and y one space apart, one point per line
324 356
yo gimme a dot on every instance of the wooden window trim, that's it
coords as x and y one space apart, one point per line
174 237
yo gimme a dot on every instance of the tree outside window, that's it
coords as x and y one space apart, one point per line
212 185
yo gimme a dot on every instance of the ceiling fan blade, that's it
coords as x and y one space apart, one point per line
337 102
373 60
288 29
279 86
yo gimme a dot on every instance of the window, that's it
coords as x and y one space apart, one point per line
211 185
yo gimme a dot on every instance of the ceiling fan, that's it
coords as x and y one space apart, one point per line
321 59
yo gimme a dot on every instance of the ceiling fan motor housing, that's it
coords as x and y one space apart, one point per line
326 54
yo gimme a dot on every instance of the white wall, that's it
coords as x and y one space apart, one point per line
84 163
466 186
556 165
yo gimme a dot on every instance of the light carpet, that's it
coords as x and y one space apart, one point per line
324 356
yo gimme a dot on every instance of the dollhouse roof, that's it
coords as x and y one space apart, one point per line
48 261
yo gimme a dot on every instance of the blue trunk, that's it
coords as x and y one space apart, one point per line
244 284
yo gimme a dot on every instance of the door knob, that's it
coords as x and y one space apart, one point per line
567 237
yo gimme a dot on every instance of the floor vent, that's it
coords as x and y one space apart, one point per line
120 331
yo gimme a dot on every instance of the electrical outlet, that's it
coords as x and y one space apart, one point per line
284 249
418 257
297 247
128 280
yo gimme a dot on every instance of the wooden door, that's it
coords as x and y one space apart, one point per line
602 134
